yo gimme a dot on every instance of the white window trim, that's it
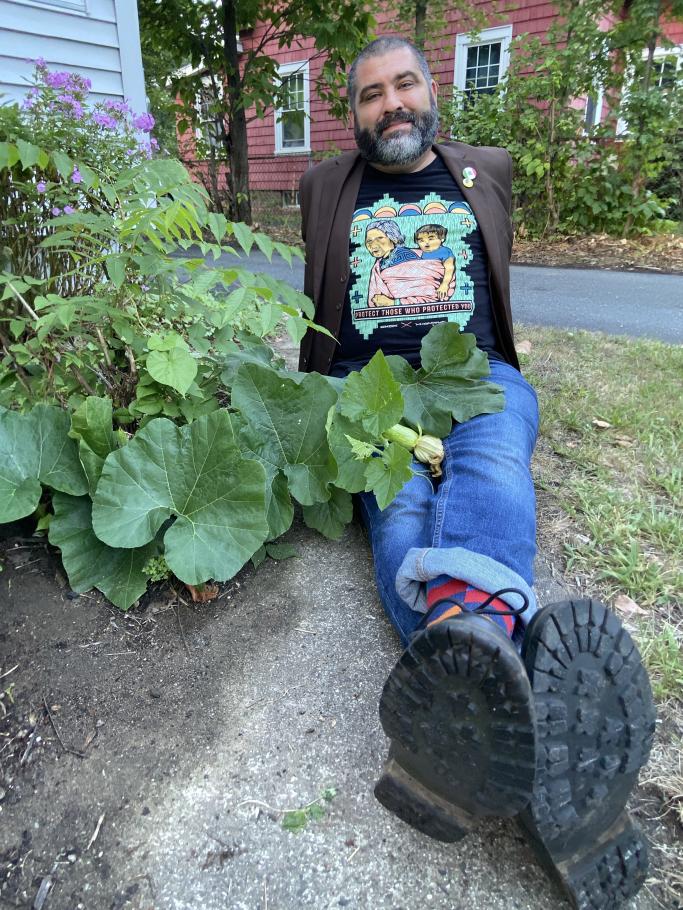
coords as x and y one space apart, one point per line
286 69
69 6
597 113
502 33
675 51
199 133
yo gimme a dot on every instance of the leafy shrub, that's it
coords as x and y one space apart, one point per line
122 301
568 176
142 415
105 139
209 495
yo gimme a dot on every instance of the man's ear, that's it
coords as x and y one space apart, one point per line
435 89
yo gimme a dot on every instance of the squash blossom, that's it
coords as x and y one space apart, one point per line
427 449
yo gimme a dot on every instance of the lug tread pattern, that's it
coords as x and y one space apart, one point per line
595 726
612 877
458 706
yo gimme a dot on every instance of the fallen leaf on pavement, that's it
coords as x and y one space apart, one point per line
628 607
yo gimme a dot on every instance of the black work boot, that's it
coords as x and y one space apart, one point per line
459 711
595 724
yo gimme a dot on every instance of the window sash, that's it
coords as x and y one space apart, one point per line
291 118
481 60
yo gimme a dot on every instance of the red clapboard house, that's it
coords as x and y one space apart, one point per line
288 141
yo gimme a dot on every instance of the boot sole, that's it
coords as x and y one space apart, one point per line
459 712
595 725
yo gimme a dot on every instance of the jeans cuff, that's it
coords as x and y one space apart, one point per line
482 572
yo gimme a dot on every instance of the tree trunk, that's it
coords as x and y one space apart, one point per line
638 182
236 139
420 22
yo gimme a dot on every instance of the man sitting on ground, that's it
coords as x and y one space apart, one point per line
496 707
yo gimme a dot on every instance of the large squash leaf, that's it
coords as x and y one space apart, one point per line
285 428
88 562
351 469
331 517
388 474
372 396
196 473
35 449
450 384
91 426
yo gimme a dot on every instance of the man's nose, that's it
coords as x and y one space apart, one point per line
392 100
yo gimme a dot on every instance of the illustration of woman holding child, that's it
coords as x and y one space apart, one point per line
404 276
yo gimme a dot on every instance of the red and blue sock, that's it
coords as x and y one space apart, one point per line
447 597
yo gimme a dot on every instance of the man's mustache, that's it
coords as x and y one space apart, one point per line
397 117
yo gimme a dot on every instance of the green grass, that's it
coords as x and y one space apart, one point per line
621 484
663 656
610 480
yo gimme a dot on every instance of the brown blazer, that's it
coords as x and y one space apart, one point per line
328 192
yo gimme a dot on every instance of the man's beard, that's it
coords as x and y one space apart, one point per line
399 147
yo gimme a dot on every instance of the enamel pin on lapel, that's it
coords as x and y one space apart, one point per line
468 176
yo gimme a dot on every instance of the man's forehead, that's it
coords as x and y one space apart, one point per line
387 67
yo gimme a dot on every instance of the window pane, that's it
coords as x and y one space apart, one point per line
293 129
483 67
665 72
294 92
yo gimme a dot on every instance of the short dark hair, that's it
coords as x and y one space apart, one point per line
441 232
378 48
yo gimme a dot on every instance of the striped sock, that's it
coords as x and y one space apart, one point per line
447 597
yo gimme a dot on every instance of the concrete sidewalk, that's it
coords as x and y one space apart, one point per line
206 731
196 727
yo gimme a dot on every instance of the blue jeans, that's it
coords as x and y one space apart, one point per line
478 524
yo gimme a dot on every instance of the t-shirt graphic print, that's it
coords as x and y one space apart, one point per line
409 264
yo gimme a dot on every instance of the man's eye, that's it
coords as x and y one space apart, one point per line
406 84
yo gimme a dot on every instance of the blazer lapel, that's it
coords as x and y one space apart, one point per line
336 211
456 160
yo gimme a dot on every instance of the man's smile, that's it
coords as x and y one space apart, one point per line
401 126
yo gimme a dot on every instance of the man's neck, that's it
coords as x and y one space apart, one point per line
422 162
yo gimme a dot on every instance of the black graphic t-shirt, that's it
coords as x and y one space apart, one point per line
416 258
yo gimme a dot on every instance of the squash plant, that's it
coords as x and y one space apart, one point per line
210 494
143 414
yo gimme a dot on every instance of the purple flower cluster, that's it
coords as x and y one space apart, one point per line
143 122
105 120
71 82
121 107
73 104
61 96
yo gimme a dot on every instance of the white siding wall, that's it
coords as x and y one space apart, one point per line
98 38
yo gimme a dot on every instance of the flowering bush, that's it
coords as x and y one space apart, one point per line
105 138
106 135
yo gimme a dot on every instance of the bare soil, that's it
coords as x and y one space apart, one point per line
656 253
